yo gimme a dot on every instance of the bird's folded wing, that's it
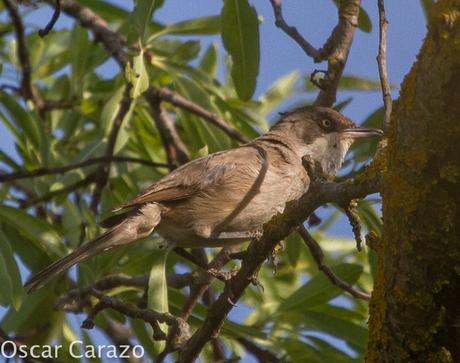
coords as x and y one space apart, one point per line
185 181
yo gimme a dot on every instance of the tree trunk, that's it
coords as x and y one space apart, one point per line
415 307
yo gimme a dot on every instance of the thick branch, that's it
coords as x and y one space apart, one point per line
336 50
382 63
25 174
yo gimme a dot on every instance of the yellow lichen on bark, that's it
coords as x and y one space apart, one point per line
414 304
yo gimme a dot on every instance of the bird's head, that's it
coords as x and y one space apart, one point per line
323 134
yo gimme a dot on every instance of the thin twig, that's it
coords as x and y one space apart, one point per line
91 178
261 354
177 100
292 31
175 148
351 211
23 53
115 45
25 174
203 281
103 176
109 282
53 20
154 318
382 64
318 256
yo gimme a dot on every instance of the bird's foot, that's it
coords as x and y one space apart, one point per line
274 259
256 234
256 282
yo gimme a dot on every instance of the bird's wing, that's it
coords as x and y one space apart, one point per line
191 178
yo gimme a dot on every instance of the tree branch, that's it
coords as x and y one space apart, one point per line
25 174
179 327
278 228
177 100
114 43
176 150
336 50
292 31
91 178
318 256
261 354
23 53
57 11
103 176
382 64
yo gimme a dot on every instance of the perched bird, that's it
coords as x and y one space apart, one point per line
226 197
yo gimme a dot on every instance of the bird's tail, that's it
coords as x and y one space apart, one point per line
129 230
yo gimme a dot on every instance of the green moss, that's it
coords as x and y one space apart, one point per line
419 254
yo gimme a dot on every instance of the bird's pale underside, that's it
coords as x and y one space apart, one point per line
226 197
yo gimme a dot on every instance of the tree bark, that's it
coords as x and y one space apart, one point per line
415 307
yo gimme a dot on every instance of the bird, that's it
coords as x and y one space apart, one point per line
225 198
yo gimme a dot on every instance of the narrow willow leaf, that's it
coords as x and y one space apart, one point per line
208 63
10 278
319 289
278 92
137 75
157 296
205 25
37 230
240 35
355 335
142 16
21 118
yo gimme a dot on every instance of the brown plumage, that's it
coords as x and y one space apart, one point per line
226 197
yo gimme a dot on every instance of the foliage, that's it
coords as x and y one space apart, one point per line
45 217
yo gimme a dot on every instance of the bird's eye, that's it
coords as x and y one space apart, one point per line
326 123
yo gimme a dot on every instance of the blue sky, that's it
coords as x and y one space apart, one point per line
280 55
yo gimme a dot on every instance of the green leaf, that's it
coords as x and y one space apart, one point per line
157 296
364 21
355 335
10 278
21 118
319 289
142 16
278 92
37 230
137 75
205 25
240 35
208 63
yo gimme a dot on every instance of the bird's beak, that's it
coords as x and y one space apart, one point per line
359 132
